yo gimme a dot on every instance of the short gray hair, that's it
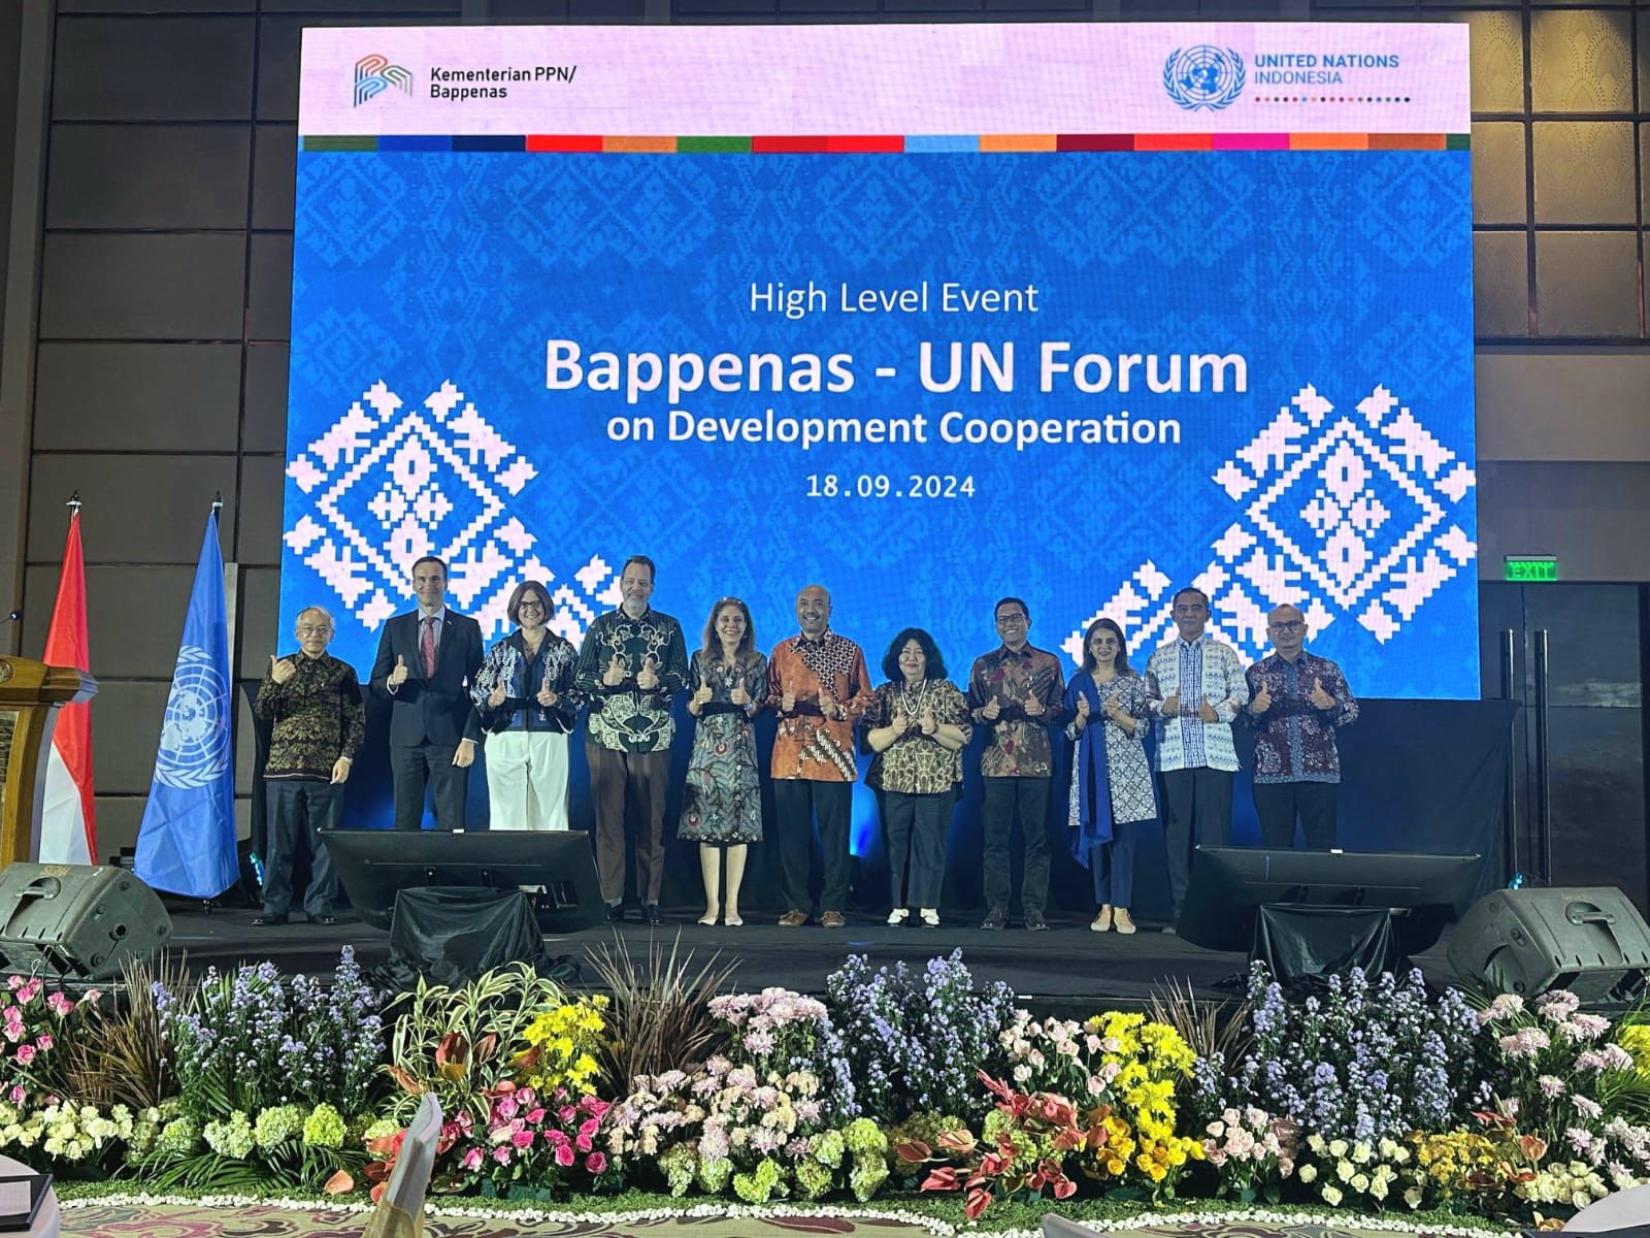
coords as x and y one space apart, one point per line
316 610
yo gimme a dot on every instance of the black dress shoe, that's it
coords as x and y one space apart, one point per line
652 914
267 921
1035 922
615 913
996 919
323 920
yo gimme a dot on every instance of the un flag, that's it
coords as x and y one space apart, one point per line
186 844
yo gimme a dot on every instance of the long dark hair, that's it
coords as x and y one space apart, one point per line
1122 663
935 667
713 642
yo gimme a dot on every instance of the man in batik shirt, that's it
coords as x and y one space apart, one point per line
818 685
632 661
1297 701
1016 691
1196 687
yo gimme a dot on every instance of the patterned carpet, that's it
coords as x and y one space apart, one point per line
272 1221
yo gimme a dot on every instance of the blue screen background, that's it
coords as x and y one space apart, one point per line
422 272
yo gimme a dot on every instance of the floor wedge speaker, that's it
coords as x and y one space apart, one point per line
77 921
1590 940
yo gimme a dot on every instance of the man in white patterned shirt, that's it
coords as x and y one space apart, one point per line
1197 687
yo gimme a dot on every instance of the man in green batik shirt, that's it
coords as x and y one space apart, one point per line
632 661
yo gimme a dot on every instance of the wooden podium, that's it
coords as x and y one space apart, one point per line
30 695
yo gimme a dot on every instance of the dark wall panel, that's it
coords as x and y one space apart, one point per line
139 509
274 173
126 721
266 376
153 68
143 286
156 6
261 496
269 291
137 397
259 637
148 176
147 600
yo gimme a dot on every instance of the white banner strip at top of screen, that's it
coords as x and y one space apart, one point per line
956 80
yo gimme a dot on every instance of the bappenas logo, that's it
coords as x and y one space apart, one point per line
374 74
1203 76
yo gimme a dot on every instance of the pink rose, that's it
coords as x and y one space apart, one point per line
92 997
30 991
501 1154
595 1164
19 1094
506 1108
566 1115
564 1155
14 983
25 1054
583 1142
44 1042
559 1138
589 1127
522 1139
536 1116
59 1003
472 1160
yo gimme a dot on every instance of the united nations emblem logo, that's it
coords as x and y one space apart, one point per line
194 738
1203 76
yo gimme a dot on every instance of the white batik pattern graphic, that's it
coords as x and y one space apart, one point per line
389 484
1339 514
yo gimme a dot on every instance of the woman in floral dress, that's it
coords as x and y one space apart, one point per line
917 725
1111 780
722 801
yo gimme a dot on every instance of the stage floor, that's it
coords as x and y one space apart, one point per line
1065 971
1068 964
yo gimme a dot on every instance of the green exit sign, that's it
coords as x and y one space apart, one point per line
1532 569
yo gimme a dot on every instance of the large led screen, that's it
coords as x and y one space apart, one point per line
927 314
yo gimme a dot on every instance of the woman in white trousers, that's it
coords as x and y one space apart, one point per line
523 693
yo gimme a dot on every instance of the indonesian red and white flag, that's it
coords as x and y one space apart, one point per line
68 826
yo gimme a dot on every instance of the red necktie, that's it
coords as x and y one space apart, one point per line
426 648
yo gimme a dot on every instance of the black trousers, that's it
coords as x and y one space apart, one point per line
414 768
1279 803
1006 798
797 801
297 808
1197 808
916 829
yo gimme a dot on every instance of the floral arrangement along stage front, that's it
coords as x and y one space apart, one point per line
898 1083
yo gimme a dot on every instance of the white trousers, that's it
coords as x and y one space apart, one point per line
527 780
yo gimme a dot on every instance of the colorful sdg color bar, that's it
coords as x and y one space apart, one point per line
1000 143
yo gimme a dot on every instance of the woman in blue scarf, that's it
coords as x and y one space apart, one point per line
1111 780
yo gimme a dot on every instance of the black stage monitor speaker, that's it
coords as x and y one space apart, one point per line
375 864
1590 940
1229 884
75 921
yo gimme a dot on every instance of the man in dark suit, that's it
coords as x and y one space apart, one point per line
426 662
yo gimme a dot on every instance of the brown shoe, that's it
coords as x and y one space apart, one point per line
793 919
834 919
